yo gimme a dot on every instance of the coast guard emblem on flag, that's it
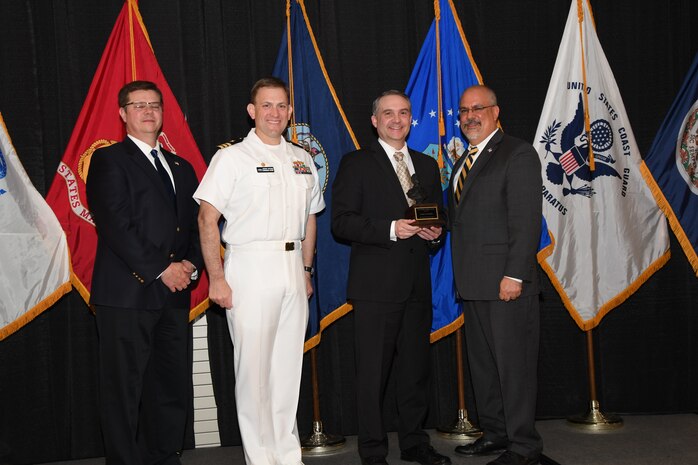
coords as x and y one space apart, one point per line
601 256
311 145
686 149
570 163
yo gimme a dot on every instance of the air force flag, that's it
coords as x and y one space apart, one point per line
440 75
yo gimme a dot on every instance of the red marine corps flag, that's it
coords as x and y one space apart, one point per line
127 57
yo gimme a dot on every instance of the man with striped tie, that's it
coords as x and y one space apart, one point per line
495 209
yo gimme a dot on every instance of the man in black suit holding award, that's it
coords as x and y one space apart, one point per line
389 282
148 253
495 210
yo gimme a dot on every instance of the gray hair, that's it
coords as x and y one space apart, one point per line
374 107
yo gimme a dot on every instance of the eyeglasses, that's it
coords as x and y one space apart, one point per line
140 106
463 111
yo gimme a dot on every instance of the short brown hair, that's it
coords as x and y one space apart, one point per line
134 86
269 82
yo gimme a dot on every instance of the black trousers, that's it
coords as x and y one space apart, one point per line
503 340
145 382
388 334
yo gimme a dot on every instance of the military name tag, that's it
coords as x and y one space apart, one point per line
265 169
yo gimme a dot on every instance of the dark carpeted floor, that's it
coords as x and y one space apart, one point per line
642 440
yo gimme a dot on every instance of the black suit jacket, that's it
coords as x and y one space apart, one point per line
495 228
366 198
138 228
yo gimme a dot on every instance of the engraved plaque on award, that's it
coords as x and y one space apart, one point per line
425 214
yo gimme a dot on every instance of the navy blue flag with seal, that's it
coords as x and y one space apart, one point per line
673 165
320 126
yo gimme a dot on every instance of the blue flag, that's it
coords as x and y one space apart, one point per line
672 162
320 126
447 71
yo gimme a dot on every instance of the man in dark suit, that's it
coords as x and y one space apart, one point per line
147 255
389 282
495 210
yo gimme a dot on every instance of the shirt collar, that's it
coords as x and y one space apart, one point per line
145 148
481 146
390 150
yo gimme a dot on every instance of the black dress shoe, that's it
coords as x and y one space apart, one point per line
425 455
482 447
512 458
373 460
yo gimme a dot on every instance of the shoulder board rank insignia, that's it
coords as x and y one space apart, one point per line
231 142
298 144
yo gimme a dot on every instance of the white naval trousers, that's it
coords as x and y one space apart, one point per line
267 324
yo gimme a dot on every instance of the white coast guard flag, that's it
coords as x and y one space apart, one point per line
34 262
609 233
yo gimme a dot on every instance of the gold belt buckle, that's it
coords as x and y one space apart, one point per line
290 246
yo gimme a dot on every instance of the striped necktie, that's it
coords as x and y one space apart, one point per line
464 172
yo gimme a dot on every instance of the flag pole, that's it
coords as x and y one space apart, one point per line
587 124
594 420
461 428
292 97
319 442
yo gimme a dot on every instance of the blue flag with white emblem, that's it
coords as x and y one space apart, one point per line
320 126
673 163
444 68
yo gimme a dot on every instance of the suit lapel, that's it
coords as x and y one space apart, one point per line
144 164
480 163
389 173
179 179
419 167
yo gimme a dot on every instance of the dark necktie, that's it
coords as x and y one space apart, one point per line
464 172
164 177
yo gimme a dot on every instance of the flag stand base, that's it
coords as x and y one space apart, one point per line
321 443
595 421
460 429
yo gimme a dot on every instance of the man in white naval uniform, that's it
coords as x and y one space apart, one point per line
268 191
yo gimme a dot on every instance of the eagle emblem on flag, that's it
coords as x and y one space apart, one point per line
570 163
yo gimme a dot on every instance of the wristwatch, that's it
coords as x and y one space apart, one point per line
310 270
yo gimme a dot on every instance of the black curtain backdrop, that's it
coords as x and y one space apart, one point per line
211 51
